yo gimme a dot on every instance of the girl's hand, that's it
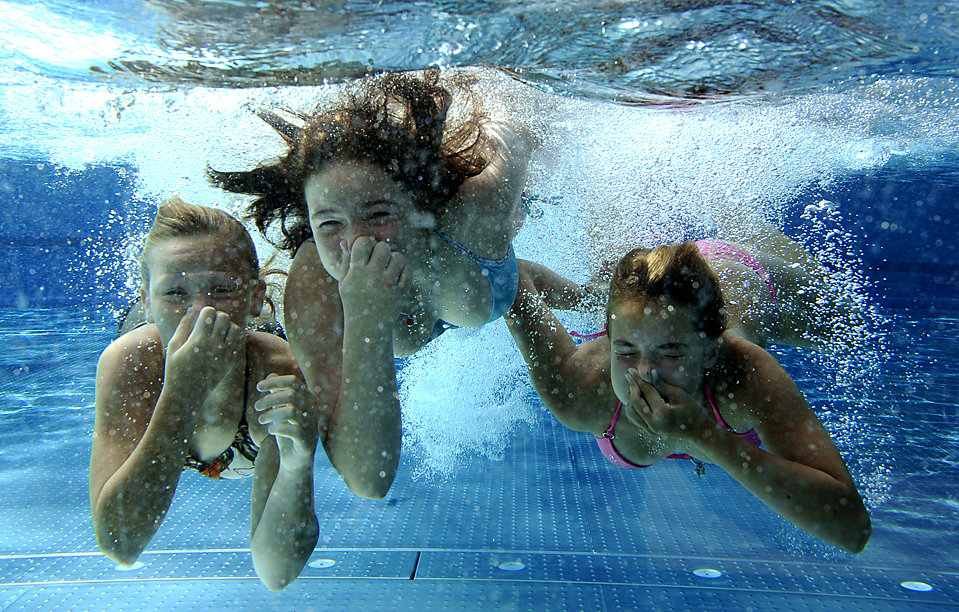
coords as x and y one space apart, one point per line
204 348
682 416
291 415
375 281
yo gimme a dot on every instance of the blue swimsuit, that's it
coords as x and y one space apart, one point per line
503 278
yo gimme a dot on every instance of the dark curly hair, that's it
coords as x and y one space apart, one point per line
396 121
677 273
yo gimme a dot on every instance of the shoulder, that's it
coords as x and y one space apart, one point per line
140 347
270 355
756 380
745 361
590 399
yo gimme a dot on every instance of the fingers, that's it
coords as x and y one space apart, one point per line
184 328
396 268
345 259
274 382
283 397
650 392
362 249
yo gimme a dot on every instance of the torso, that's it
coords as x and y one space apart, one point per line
222 411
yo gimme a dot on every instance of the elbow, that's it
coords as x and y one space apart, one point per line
370 489
278 569
859 534
851 533
277 581
117 549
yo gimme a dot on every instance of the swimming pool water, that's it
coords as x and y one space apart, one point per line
109 106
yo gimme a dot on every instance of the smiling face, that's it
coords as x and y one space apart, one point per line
647 336
198 271
349 199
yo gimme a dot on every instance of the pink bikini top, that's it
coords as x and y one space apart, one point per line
605 441
717 249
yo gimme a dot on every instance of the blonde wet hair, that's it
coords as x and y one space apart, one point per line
178 219
674 273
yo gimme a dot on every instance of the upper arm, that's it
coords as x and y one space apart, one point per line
314 325
570 380
487 203
126 395
784 420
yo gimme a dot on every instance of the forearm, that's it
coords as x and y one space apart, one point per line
133 502
815 501
286 530
365 434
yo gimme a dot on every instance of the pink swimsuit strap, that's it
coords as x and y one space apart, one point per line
717 249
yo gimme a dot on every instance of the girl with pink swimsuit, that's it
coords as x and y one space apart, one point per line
670 380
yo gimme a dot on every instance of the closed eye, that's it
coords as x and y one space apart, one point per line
175 295
329 227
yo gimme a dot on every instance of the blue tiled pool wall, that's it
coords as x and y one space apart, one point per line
590 536
61 231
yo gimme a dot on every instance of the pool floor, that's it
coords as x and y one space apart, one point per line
552 526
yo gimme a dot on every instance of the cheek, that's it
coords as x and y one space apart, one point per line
617 372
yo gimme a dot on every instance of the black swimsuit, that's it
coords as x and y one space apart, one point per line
237 460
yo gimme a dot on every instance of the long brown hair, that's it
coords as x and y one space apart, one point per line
677 273
396 121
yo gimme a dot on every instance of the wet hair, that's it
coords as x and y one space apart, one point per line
398 122
676 273
177 219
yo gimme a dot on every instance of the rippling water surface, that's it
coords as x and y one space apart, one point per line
607 49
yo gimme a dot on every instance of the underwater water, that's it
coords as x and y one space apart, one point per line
835 121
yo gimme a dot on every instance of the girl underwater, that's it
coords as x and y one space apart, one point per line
670 380
401 221
193 389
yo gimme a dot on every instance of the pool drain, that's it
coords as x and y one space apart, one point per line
511 566
911 585
707 573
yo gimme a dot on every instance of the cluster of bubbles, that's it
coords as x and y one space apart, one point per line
606 178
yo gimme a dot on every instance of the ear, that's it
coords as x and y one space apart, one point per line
259 296
144 300
712 352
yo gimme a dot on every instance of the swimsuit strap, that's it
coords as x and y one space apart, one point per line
612 422
481 262
751 436
712 404
576 334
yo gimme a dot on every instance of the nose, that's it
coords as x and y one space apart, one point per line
645 367
200 301
356 230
